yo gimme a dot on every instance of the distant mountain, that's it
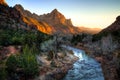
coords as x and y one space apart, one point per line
90 30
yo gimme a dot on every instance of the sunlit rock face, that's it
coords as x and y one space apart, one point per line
2 2
55 17
33 20
10 18
50 23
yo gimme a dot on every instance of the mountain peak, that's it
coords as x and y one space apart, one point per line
2 2
18 7
55 10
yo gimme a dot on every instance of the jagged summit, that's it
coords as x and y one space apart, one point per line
57 14
2 2
18 7
56 17
54 11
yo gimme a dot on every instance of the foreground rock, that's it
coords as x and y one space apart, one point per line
55 69
8 50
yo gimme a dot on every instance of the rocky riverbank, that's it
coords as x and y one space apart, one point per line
56 69
109 62
49 68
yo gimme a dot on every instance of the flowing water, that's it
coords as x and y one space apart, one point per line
85 68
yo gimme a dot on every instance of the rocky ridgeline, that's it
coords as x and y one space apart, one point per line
56 17
48 23
10 18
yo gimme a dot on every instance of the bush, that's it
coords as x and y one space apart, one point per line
3 73
11 64
24 65
28 65
99 36
78 38
50 55
22 37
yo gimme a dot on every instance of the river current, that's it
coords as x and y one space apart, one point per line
86 68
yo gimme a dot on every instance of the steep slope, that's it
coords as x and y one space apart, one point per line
115 26
10 18
33 20
113 29
14 31
48 23
56 17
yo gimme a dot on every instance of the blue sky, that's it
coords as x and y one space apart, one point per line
88 13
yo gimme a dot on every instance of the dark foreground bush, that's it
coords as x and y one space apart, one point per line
24 65
2 73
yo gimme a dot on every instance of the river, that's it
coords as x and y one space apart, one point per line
86 68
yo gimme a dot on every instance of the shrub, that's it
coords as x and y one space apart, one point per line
24 65
99 36
3 72
22 37
11 64
78 38
50 55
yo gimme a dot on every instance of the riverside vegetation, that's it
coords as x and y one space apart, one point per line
24 62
